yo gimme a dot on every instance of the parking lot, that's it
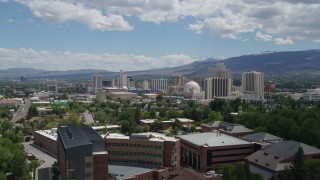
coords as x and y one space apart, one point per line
43 171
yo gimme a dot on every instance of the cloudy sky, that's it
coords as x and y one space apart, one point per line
143 34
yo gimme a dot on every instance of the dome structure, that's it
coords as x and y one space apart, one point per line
191 88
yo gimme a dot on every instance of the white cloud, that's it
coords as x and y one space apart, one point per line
196 27
24 57
226 18
3 1
263 37
10 20
58 12
282 41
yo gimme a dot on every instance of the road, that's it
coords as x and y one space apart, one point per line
22 111
43 171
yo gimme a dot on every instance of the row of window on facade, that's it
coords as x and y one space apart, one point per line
135 161
126 153
134 145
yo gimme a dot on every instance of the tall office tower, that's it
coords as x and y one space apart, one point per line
253 84
123 79
145 85
217 87
52 86
177 84
219 70
159 85
107 83
81 153
96 83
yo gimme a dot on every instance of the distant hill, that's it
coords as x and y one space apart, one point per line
289 62
31 73
298 62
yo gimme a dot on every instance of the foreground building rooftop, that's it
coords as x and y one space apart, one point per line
279 156
77 135
212 139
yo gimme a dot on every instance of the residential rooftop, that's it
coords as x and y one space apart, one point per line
261 137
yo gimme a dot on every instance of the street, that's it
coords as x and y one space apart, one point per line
43 171
22 111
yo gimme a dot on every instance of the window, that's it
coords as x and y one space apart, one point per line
88 164
71 175
88 175
70 165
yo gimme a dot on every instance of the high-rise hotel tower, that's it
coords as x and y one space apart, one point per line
253 84
218 82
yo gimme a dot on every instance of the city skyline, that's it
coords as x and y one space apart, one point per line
139 35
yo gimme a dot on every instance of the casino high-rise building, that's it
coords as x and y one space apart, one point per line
253 84
96 82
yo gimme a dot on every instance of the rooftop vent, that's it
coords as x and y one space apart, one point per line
267 164
266 153
276 156
69 132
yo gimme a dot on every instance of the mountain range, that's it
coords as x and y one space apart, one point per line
289 62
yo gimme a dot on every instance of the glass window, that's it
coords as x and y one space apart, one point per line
88 165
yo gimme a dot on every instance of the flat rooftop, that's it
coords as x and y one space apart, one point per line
123 172
183 120
150 136
122 93
52 134
211 139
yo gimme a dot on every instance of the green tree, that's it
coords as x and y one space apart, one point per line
173 113
162 113
159 98
205 112
298 165
157 125
196 115
217 104
32 111
226 173
312 168
246 168
239 172
215 116
137 115
256 176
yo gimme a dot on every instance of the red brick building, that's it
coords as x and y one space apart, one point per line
211 150
145 148
46 139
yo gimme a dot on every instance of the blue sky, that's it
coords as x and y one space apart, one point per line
143 34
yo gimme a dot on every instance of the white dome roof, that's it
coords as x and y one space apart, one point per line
191 88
